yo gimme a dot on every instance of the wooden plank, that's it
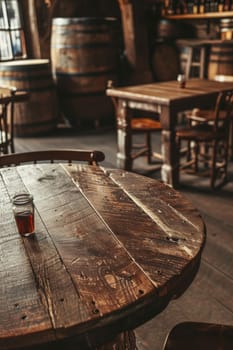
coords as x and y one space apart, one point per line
166 236
20 304
168 91
135 42
52 284
104 275
31 29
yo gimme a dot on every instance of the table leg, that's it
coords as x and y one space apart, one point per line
124 137
170 170
124 341
231 139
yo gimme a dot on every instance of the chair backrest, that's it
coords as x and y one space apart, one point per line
199 336
223 106
92 157
7 97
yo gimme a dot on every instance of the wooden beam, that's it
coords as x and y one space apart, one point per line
136 40
31 29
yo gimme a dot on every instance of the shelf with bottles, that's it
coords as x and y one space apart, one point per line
197 9
208 15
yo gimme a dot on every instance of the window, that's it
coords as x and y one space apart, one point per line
12 41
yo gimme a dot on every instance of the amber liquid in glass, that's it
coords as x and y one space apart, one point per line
25 223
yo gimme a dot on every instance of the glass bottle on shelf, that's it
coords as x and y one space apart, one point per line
207 6
195 7
227 5
220 5
202 6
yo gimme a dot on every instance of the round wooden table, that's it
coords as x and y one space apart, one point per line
111 249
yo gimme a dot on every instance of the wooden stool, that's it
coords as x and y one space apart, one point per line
194 51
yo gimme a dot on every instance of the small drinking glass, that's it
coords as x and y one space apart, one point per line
182 80
23 208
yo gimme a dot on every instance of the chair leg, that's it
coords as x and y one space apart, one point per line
189 149
149 148
231 140
196 152
219 171
213 166
178 147
225 161
12 146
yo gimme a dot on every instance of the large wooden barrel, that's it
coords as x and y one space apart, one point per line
220 59
165 61
168 30
84 58
39 114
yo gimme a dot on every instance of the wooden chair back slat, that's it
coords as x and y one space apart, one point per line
224 103
208 133
92 157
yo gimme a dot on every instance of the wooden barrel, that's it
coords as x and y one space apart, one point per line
165 61
84 58
220 59
39 114
168 30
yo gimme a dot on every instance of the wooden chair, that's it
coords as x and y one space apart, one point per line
7 97
69 155
199 336
229 79
210 130
146 126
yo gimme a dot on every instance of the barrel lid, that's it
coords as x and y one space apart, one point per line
83 20
24 64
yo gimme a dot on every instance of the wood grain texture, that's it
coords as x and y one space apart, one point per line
163 223
104 258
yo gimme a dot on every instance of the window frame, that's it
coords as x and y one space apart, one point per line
12 36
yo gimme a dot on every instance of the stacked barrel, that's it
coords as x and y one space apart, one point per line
39 114
71 84
84 58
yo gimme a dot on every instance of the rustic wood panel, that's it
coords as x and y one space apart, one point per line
17 309
165 228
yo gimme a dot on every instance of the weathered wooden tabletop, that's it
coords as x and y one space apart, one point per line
169 92
111 249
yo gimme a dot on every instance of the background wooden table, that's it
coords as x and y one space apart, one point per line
111 250
167 99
